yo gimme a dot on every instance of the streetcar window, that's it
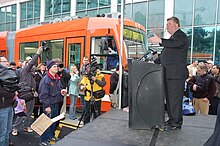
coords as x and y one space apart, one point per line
135 42
53 49
105 50
28 49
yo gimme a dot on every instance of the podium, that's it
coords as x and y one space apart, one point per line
146 94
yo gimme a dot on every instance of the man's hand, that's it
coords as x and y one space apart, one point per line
48 110
155 39
39 50
93 78
63 92
205 100
194 87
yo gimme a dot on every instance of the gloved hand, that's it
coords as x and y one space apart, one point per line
39 50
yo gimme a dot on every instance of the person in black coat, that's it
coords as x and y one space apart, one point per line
214 139
39 74
174 60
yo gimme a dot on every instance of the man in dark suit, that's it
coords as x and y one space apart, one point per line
174 60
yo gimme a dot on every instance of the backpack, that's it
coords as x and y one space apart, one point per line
8 79
187 109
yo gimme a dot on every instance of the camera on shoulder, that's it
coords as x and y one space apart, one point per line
91 68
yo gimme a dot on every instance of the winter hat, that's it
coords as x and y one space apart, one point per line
50 63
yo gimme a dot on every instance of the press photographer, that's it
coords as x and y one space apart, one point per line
92 83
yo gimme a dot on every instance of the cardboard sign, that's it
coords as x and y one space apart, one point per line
43 122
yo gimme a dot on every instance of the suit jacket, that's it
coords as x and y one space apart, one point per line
174 55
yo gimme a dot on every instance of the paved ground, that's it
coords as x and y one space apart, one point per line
111 129
32 139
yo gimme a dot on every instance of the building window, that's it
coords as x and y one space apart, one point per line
80 5
203 13
8 18
184 11
56 9
188 32
217 46
139 13
104 3
30 13
92 4
203 43
92 8
156 14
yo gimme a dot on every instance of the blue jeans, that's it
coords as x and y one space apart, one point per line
6 116
82 100
72 110
50 132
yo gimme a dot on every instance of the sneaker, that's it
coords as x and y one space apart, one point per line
28 129
73 118
14 132
44 143
58 128
55 139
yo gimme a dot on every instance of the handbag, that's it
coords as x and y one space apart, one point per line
99 94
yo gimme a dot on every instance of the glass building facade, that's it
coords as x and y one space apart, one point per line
29 13
199 20
8 18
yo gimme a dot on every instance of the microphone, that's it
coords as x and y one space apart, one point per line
149 56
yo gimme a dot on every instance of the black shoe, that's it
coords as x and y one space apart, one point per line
80 119
169 127
167 123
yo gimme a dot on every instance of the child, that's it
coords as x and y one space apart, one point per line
19 114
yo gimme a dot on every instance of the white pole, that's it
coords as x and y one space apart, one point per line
120 54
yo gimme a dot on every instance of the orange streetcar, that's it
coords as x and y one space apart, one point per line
72 40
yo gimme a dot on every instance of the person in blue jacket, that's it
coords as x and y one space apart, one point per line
50 94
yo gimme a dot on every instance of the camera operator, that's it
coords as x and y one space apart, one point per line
203 88
93 81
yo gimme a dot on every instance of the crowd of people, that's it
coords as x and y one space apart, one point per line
203 83
43 89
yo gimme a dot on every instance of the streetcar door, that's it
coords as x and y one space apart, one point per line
75 47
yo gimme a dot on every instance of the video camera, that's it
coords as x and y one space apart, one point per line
43 45
91 68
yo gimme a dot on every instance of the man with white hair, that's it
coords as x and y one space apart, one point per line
209 64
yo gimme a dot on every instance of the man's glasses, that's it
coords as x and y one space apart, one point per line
3 61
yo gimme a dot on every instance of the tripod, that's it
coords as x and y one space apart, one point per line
90 105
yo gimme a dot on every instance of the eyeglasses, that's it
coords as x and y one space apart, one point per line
3 61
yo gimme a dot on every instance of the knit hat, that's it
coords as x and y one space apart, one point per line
50 63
